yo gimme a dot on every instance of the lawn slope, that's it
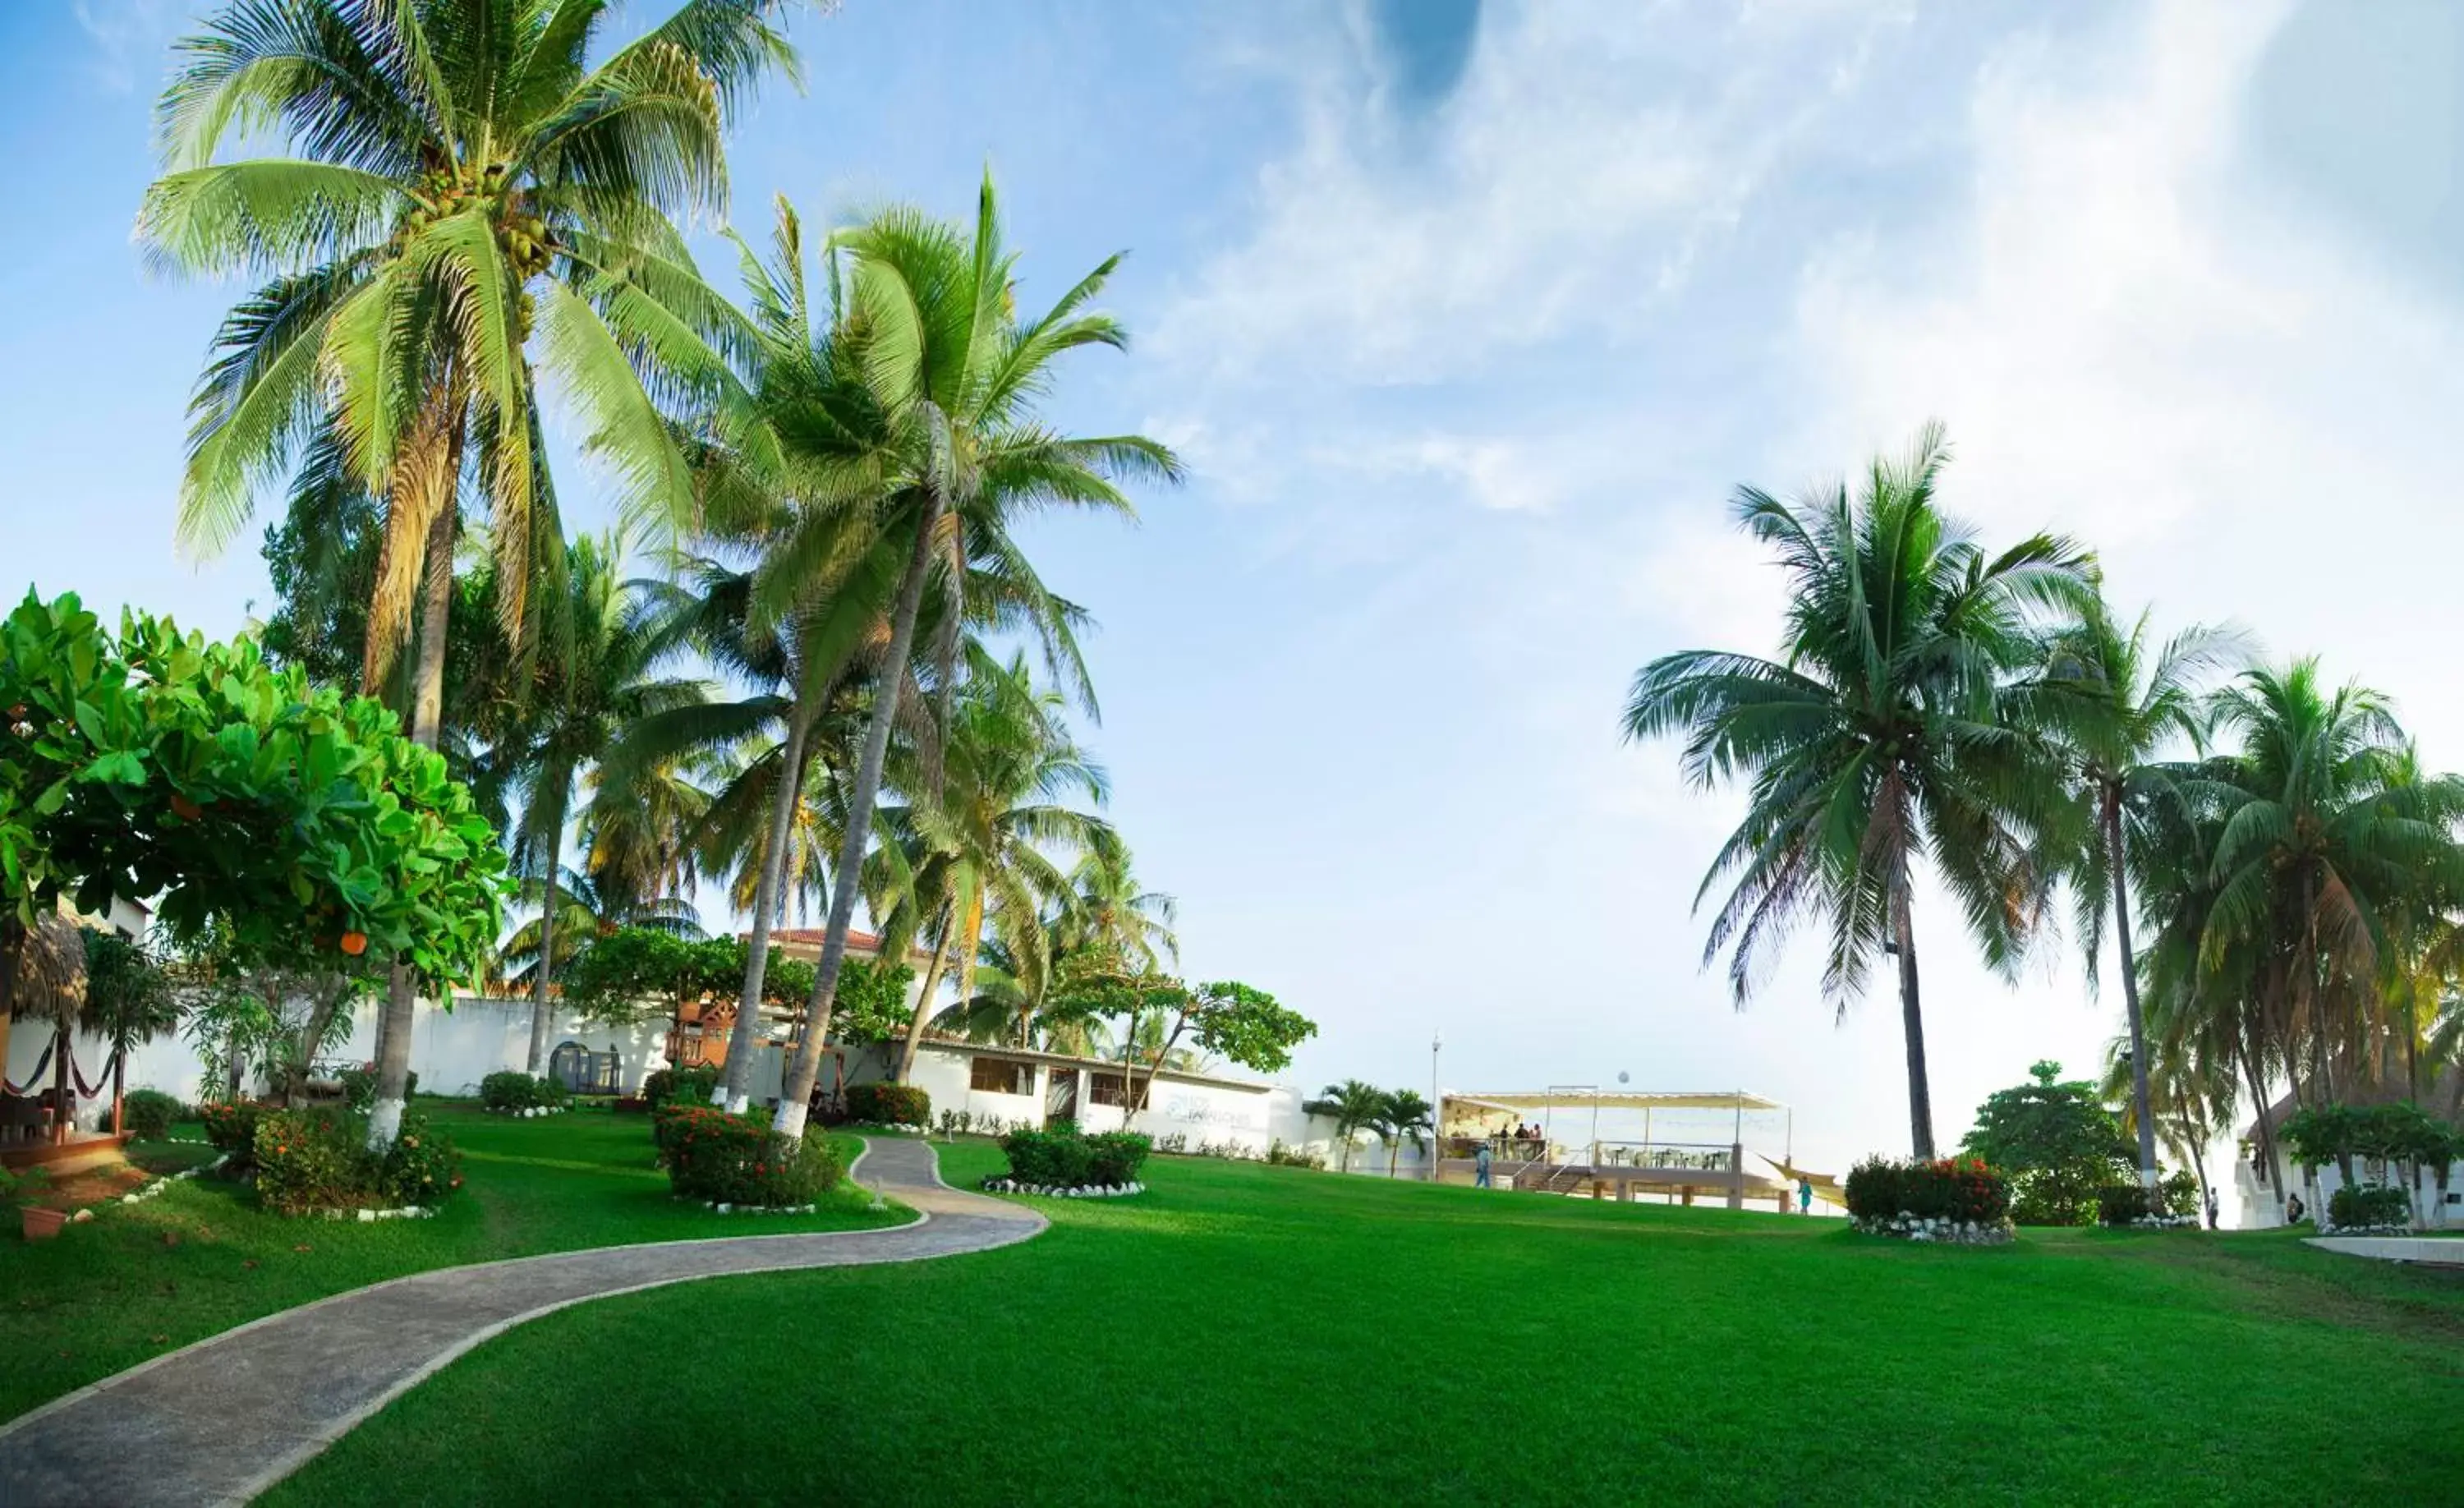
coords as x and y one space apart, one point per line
1245 1333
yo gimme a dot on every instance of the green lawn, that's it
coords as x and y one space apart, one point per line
142 1279
1249 1334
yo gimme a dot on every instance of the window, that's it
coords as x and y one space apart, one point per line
1000 1075
1104 1090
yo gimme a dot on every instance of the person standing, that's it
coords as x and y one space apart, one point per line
1804 1196
1481 1162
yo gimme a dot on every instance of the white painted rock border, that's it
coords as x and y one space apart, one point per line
140 1195
1052 1192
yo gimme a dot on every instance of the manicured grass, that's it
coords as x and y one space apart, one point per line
1249 1334
142 1279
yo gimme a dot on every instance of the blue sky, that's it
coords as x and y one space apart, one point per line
1468 320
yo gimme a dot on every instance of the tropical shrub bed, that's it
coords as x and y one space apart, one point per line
690 1085
738 1162
1942 1199
2133 1206
1064 1160
904 1105
517 1093
147 1114
309 1160
2370 1208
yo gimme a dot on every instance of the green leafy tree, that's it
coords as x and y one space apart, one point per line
2058 1143
1877 741
1354 1105
278 820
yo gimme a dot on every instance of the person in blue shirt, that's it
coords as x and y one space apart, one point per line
1804 1197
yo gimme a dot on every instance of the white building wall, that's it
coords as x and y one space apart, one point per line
451 1051
2432 1210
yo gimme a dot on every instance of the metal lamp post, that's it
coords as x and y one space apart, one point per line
1437 1115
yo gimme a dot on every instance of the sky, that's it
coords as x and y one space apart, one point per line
1468 320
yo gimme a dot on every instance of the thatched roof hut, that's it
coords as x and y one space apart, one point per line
42 969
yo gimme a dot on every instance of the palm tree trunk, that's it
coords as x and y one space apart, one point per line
733 1088
540 1019
2266 1135
119 1089
797 1100
426 719
2116 853
924 1002
1920 1091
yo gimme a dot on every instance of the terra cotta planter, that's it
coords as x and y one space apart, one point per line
41 1224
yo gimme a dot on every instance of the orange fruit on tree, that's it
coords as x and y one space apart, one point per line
355 943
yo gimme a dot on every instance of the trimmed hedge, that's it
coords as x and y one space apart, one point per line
889 1105
2369 1204
1069 1159
147 1114
740 1160
1961 1189
514 1090
693 1086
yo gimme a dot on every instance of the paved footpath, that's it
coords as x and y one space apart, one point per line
222 1420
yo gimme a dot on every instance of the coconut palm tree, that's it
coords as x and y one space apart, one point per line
1877 741
1353 1106
1406 1117
2112 699
2328 834
1108 908
877 456
600 671
467 196
1009 767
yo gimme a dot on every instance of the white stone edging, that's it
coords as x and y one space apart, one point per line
1056 1191
527 1112
1908 1227
150 1190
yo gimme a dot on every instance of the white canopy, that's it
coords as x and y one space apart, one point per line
1610 1099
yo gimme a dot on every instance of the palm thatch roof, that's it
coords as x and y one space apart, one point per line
42 969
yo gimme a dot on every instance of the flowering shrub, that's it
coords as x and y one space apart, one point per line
420 1168
1958 1189
147 1114
889 1105
513 1090
359 1088
232 1130
740 1160
692 1085
308 1160
312 1160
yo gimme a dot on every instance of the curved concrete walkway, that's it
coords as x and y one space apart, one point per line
222 1420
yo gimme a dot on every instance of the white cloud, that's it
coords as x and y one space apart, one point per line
1589 156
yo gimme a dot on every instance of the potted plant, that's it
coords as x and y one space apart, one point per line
41 1222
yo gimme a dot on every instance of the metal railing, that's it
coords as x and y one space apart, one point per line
1501 1149
1715 1157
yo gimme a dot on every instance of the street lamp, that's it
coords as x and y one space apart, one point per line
1437 1115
